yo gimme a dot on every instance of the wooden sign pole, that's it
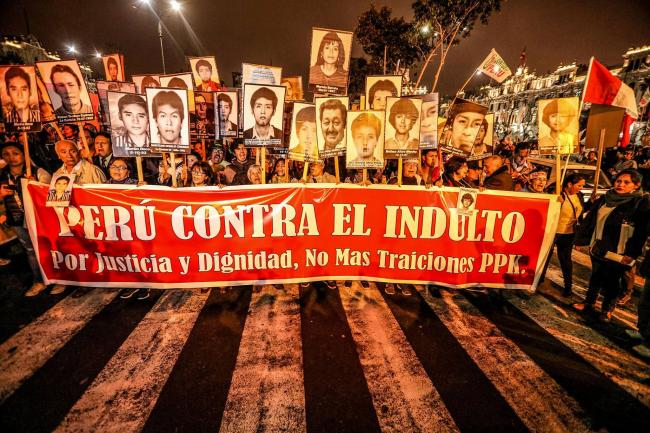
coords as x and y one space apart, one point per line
263 165
601 143
28 161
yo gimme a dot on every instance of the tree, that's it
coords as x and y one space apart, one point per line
441 24
359 69
383 36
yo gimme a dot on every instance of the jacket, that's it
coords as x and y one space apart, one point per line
500 180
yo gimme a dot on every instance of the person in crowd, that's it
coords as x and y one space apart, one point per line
202 174
497 176
11 193
403 115
317 173
252 176
103 152
520 167
378 93
165 169
85 171
67 85
536 182
410 174
7 235
430 166
506 147
455 172
119 172
570 212
591 158
473 176
328 69
625 162
278 174
643 309
615 228
203 69
218 164
239 164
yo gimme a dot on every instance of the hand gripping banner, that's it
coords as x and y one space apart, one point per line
157 237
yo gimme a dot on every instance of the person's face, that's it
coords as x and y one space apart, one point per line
331 52
67 132
429 117
201 107
403 123
169 123
263 111
559 121
490 166
316 169
65 85
68 153
592 156
473 174
217 157
628 155
289 92
280 168
240 153
89 139
112 71
118 170
574 188
462 171
379 100
13 156
624 185
365 140
467 203
332 126
224 110
135 119
60 185
255 177
429 158
538 184
19 93
465 128
523 153
307 135
204 73
198 176
103 146
410 169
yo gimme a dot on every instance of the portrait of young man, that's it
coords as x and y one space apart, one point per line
429 122
129 124
168 120
463 124
177 81
60 190
402 126
330 127
294 88
67 90
143 82
227 114
330 60
202 118
19 97
365 131
113 67
264 107
380 87
205 73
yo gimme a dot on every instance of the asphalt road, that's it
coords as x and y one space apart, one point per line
313 359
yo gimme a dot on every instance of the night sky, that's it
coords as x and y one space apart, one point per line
279 32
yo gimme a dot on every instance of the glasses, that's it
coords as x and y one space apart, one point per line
198 173
117 167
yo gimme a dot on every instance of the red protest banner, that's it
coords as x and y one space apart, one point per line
119 236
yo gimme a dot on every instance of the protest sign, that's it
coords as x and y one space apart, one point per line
379 87
145 81
429 123
365 139
558 125
113 67
169 123
263 111
261 74
464 121
129 124
402 124
303 145
331 115
206 236
227 115
294 88
329 61
19 98
67 90
202 124
102 92
205 73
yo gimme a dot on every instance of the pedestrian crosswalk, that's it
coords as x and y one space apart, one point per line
293 359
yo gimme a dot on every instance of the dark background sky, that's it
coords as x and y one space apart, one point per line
278 32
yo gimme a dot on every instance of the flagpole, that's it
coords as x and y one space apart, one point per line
584 89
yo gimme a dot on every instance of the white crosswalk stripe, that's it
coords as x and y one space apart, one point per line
266 393
122 396
25 352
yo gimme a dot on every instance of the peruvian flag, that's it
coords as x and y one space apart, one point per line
602 87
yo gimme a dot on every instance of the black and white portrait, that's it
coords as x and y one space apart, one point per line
169 123
331 118
129 120
19 97
365 139
261 74
113 67
205 73
402 127
145 81
263 111
227 114
329 61
380 87
67 89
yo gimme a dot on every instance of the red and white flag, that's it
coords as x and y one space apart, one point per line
602 87
645 98
495 67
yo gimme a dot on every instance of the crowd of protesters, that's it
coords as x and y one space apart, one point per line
612 225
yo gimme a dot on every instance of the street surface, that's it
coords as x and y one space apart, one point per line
313 359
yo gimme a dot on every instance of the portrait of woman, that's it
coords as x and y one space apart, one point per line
328 66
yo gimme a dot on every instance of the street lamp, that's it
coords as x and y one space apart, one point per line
72 49
155 8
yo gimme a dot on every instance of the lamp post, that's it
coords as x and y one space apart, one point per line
155 8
